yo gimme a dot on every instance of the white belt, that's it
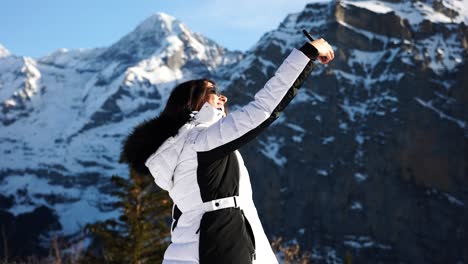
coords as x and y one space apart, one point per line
222 203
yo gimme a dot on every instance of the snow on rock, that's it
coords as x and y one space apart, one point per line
4 52
72 58
343 126
360 242
76 206
428 104
353 110
359 138
453 199
445 53
360 177
33 76
416 12
322 172
366 59
301 231
377 105
270 148
374 6
301 132
26 82
356 206
296 127
9 81
327 140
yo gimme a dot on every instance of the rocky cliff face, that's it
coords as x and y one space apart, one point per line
370 158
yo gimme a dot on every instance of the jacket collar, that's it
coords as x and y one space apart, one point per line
208 114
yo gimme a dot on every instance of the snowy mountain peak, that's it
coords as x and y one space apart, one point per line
148 38
4 52
159 24
159 20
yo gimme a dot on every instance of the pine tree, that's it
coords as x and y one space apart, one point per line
141 233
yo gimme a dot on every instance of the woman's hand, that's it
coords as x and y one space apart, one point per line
325 51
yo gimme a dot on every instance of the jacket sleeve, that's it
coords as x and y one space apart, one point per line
244 124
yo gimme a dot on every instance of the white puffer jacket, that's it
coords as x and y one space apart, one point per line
201 163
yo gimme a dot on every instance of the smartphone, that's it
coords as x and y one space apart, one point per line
307 34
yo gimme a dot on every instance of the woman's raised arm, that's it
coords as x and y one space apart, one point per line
243 124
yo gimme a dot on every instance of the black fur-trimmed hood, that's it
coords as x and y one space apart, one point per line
146 138
149 135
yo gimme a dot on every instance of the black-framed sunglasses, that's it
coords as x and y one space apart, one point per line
215 90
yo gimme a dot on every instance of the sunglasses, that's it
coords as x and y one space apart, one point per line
215 90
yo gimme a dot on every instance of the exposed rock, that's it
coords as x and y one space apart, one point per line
387 24
378 166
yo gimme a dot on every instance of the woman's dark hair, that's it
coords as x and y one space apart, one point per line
148 136
187 97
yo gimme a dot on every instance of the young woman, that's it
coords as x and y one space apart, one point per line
191 151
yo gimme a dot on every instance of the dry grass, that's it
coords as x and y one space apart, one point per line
291 253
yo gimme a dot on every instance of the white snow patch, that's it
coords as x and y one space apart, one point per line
360 242
414 12
360 177
445 53
322 172
374 6
328 140
297 139
428 104
359 139
454 200
373 105
367 81
308 97
367 59
325 255
369 34
296 127
343 125
356 206
318 97
271 148
266 64
10 103
301 231
354 110
76 215
72 215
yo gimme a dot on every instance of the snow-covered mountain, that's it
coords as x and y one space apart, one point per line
64 115
368 160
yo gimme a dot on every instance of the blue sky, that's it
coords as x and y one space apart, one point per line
37 28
